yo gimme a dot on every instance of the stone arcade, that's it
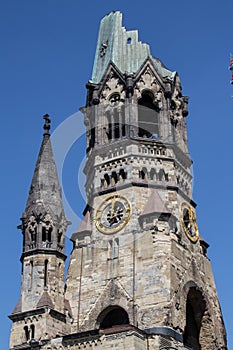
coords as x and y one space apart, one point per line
139 276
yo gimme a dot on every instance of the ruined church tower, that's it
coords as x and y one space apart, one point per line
139 276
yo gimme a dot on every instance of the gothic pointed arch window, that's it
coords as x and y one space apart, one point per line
148 116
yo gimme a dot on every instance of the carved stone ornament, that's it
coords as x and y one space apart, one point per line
47 220
31 224
177 106
148 81
112 85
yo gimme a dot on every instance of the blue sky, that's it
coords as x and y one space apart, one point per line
47 54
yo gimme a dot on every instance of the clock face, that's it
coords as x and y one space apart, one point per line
113 214
189 222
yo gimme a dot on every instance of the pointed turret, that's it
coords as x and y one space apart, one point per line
45 191
43 228
44 221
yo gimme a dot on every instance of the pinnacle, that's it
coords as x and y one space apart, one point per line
45 191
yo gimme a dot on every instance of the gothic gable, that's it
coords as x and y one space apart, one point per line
113 82
147 78
113 294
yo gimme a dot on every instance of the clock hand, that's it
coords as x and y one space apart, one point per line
112 206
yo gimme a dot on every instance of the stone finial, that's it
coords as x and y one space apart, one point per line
46 124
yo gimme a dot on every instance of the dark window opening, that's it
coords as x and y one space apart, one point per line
148 116
110 131
122 175
46 234
195 308
59 236
32 331
92 138
113 316
45 273
143 174
116 118
26 333
116 130
43 234
33 235
114 178
152 174
106 180
49 234
129 40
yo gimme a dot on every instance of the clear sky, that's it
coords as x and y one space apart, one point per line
47 54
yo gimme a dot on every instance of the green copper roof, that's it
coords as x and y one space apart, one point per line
122 47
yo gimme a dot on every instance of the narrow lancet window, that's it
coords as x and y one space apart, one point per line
45 273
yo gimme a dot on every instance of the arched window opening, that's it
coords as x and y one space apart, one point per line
116 129
152 174
49 236
195 309
116 118
113 316
32 331
110 130
148 116
106 180
44 234
26 333
59 236
114 178
143 174
122 175
45 273
123 132
33 235
162 176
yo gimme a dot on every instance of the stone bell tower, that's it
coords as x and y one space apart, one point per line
138 257
139 276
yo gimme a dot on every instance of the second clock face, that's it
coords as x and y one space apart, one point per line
113 214
189 222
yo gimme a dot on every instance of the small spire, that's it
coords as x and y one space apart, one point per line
45 190
46 124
